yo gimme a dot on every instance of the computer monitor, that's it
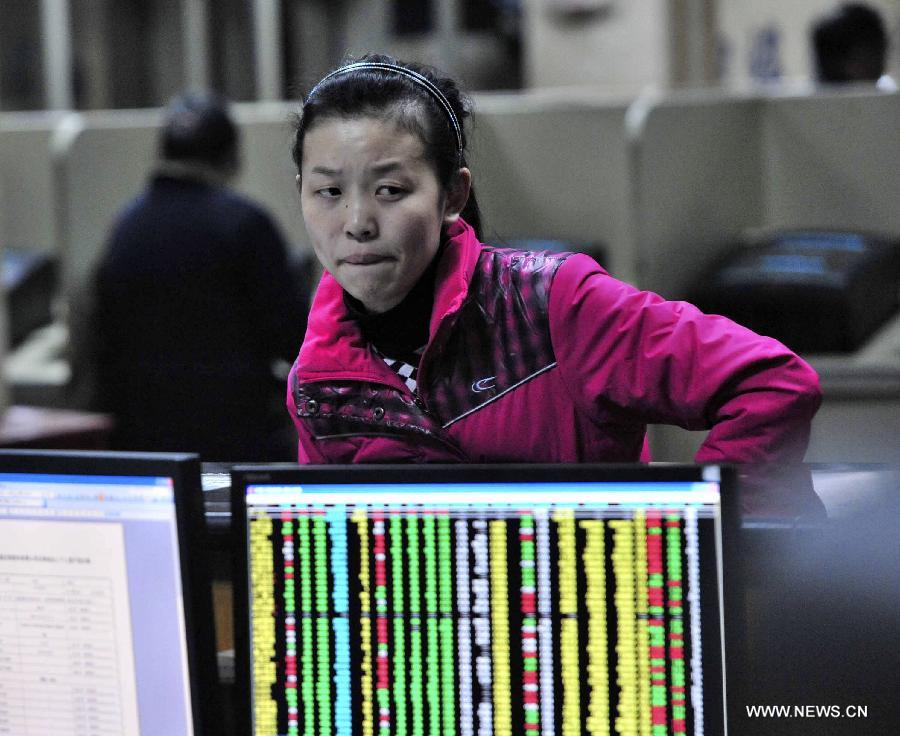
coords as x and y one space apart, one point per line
474 600
105 620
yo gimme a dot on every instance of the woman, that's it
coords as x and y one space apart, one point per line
425 345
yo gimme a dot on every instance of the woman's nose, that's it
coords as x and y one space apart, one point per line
360 224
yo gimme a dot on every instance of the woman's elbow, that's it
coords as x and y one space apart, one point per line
806 389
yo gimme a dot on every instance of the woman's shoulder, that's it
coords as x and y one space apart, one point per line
512 262
514 285
539 270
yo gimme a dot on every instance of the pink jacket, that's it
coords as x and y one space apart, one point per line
536 357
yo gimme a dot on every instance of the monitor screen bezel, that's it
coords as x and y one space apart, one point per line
184 470
291 474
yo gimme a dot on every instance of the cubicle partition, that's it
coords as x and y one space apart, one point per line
28 191
268 173
554 165
832 160
709 169
102 161
30 226
697 182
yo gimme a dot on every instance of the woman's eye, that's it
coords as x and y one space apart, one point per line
328 192
389 190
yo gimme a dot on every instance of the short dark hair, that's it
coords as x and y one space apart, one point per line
198 127
850 44
382 93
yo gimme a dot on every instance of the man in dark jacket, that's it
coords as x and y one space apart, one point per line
194 302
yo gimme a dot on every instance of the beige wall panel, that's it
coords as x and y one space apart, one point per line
267 169
554 166
622 48
698 185
833 160
103 162
27 186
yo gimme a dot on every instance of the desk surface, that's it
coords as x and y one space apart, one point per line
40 427
819 623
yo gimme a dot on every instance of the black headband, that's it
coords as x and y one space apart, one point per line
419 79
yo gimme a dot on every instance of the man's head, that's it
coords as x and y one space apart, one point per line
850 45
199 130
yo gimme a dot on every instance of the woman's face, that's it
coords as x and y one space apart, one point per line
373 206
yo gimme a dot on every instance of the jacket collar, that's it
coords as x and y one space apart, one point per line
454 273
334 346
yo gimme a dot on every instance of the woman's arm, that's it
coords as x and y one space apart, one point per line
624 350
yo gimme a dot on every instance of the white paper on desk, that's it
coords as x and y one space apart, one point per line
66 649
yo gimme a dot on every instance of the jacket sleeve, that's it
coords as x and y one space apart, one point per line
631 354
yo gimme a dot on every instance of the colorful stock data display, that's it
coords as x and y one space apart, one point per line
487 611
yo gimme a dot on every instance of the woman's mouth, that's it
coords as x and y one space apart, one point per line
365 259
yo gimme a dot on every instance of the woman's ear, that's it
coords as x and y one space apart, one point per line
458 195
299 182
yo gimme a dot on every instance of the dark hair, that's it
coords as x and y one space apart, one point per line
850 44
198 127
382 93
